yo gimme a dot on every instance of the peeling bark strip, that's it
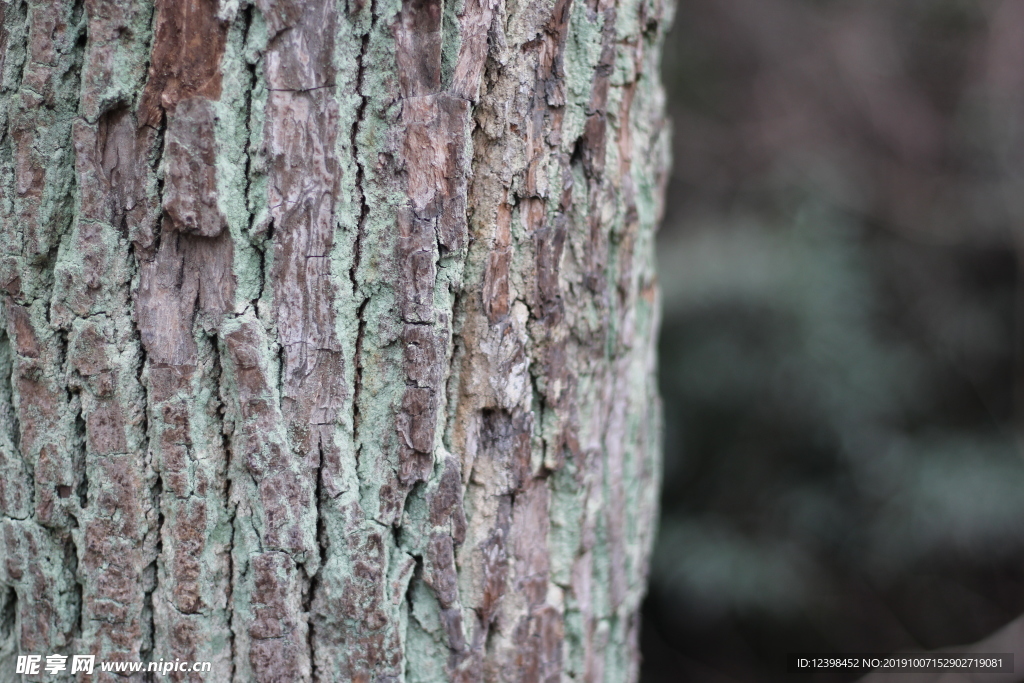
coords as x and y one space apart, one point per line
327 335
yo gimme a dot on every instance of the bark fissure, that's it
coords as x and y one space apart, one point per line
151 576
259 236
65 490
364 211
232 626
314 580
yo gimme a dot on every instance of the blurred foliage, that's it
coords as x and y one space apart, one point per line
841 352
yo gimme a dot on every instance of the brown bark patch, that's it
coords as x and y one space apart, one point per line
418 38
186 56
190 182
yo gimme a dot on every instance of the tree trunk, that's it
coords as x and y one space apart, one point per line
328 346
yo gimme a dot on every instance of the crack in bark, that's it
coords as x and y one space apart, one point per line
261 246
82 493
230 509
156 489
247 15
315 579
149 607
232 635
364 211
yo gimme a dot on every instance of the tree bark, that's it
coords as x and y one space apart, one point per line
328 335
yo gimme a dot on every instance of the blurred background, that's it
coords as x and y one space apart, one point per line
842 351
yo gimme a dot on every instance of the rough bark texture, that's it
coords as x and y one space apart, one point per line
326 336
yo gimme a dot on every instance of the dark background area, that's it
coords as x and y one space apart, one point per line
841 349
